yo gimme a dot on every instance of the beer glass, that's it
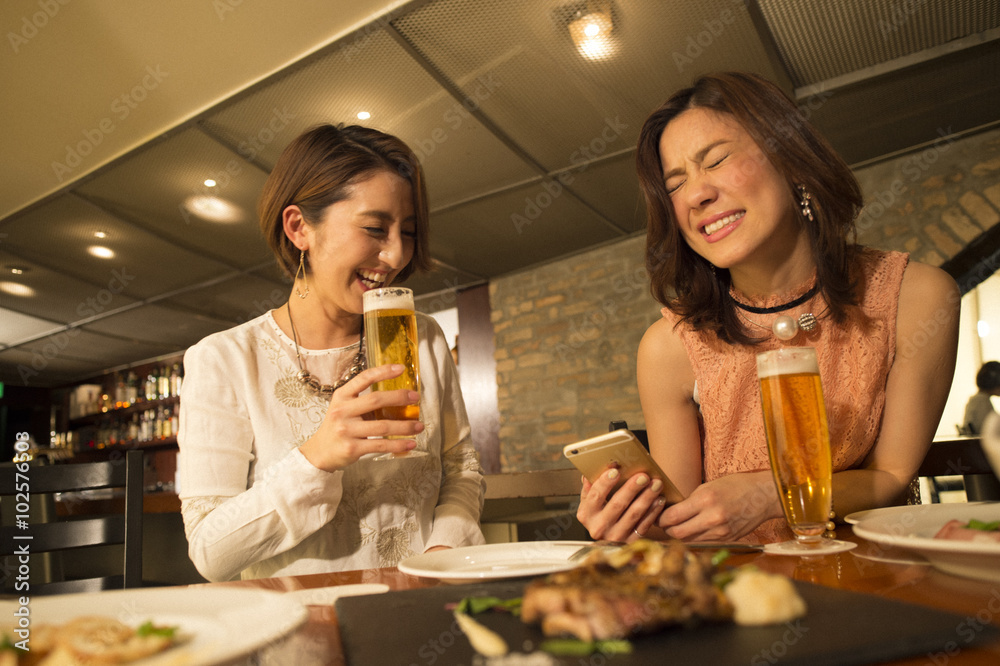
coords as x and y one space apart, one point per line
798 445
391 337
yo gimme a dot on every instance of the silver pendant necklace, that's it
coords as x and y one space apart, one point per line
358 363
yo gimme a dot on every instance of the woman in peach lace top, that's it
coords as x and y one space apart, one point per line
751 218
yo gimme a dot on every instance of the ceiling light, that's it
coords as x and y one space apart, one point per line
591 31
16 289
100 234
17 270
213 209
364 115
210 183
101 252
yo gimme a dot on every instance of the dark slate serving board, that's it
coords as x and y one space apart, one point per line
841 627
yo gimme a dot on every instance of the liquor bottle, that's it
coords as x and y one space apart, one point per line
119 391
163 383
150 387
131 388
176 378
161 425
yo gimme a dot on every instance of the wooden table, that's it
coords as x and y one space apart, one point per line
864 569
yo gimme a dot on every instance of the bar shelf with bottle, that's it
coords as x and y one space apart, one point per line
133 408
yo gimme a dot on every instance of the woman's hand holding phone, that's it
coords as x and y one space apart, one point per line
624 490
625 514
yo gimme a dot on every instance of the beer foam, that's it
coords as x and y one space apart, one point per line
395 299
789 361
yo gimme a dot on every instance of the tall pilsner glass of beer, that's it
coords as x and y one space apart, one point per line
391 337
798 441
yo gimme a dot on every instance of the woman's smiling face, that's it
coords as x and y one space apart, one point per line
731 204
362 242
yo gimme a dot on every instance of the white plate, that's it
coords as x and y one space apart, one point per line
913 528
858 516
494 561
218 624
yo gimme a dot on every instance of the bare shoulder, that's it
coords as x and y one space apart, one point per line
662 358
926 289
662 343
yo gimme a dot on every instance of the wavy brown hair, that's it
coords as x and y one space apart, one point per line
689 285
318 168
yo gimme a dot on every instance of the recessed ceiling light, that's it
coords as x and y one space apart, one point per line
364 115
100 234
210 183
213 209
16 289
17 270
101 252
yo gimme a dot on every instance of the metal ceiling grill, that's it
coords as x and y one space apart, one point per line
825 39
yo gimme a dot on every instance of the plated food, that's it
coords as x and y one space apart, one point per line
88 639
648 585
212 624
973 530
915 528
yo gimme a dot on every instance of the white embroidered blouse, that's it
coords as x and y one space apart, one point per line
254 506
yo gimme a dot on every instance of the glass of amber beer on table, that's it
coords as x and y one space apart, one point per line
391 337
798 445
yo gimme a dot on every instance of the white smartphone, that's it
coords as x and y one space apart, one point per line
620 449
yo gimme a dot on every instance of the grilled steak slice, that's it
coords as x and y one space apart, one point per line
637 589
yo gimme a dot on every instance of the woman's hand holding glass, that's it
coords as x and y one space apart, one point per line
348 432
624 515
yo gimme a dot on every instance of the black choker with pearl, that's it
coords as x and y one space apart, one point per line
783 327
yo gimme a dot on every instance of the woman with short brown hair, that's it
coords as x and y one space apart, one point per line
278 472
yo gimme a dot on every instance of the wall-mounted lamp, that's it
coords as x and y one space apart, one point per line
590 30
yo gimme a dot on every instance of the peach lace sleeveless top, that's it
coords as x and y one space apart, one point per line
854 361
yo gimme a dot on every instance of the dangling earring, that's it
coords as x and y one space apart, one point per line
302 272
804 203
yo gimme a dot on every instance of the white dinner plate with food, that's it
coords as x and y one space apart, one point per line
858 516
494 561
913 528
214 625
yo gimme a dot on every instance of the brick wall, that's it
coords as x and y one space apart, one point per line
933 202
567 333
566 340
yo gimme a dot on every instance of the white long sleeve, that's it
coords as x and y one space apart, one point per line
254 505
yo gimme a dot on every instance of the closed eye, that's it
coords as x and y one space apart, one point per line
718 161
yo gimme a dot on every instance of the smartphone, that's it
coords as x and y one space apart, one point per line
620 449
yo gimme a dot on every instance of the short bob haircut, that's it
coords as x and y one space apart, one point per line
318 168
689 285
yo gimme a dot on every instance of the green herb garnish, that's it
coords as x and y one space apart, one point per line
474 605
719 557
983 526
149 629
574 647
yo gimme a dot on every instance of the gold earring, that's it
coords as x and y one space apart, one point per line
302 272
